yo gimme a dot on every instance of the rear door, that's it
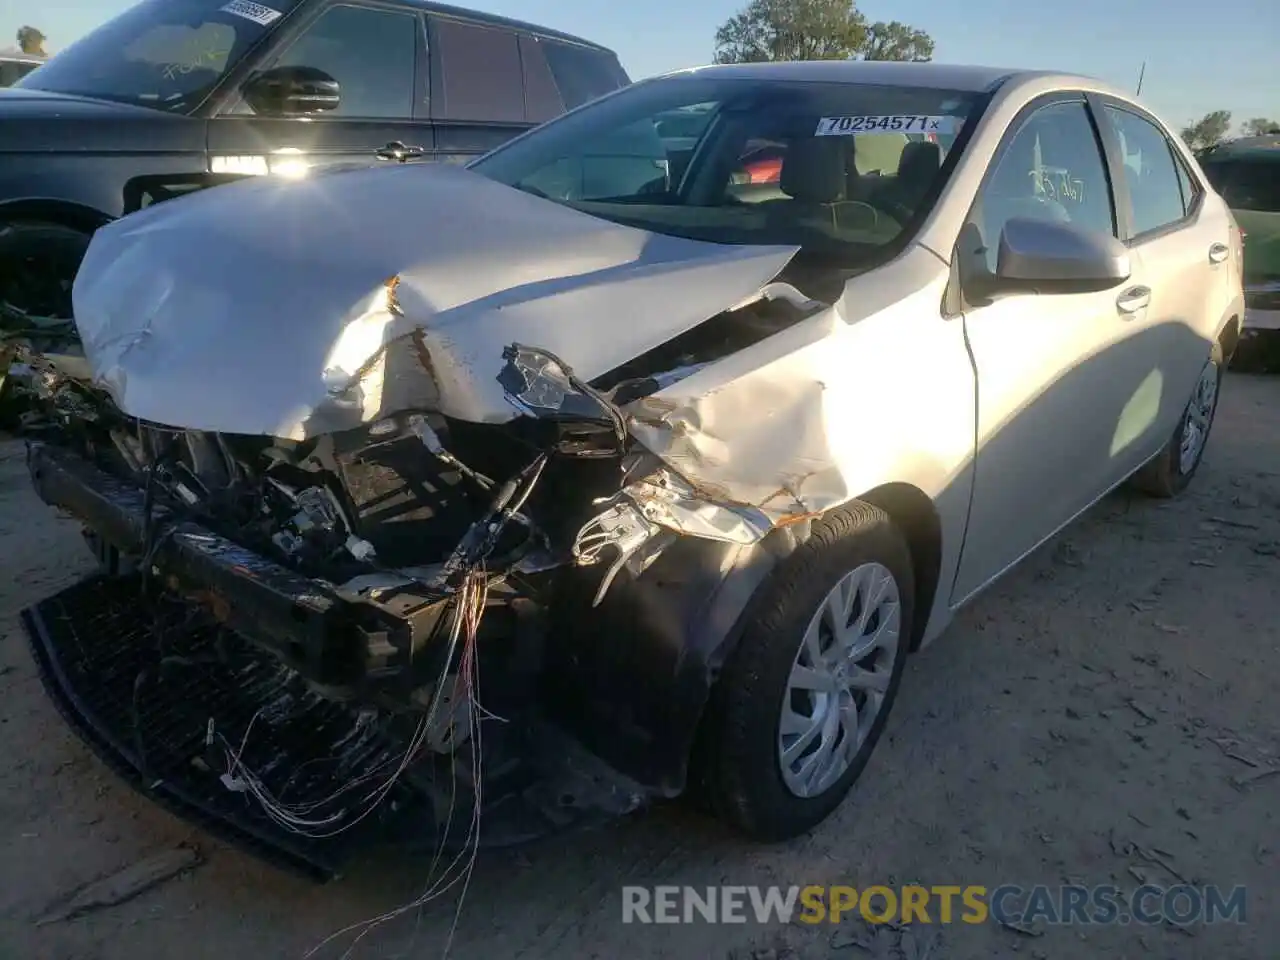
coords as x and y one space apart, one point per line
479 82
1181 256
378 55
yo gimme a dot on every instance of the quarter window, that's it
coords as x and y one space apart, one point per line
582 73
1155 184
1190 189
1053 170
371 53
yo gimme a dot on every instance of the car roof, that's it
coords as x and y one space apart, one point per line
975 79
493 20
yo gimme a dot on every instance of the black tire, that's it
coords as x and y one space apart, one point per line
38 263
1257 352
737 770
1163 476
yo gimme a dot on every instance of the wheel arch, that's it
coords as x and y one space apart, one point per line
914 514
65 213
1229 338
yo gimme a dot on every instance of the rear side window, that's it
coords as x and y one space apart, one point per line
583 73
1155 188
1247 184
481 79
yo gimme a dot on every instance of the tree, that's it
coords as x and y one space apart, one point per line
768 30
31 40
1208 131
1261 127
897 41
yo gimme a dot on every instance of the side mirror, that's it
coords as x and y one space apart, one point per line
1042 256
291 92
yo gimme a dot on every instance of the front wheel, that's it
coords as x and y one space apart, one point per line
805 696
1169 473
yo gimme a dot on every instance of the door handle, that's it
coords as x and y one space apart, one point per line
1218 252
399 152
1133 300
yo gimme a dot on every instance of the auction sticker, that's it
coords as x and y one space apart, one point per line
263 16
893 123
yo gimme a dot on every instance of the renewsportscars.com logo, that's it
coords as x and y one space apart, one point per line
1008 904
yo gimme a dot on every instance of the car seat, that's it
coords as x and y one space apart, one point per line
815 177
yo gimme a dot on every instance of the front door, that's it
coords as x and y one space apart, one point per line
1060 375
376 55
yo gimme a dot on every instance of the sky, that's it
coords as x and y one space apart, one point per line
1200 56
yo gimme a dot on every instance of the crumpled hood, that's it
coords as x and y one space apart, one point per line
249 308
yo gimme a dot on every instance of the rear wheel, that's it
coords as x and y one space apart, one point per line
1169 473
805 696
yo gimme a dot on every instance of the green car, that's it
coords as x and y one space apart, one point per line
1246 173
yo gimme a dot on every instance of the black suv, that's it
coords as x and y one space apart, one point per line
176 95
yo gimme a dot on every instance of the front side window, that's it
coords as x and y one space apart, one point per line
167 54
1051 169
746 161
371 53
1155 191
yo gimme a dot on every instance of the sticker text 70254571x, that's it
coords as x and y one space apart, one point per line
263 16
891 123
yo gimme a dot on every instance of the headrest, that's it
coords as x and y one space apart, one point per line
921 160
815 169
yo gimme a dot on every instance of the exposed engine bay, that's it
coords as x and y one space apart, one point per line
358 584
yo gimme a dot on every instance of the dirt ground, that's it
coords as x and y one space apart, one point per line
1105 695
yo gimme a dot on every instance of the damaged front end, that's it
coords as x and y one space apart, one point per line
407 620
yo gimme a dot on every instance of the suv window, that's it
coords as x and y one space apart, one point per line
1247 184
481 75
1155 188
371 53
1052 169
582 73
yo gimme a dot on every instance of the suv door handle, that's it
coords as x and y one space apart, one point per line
1218 252
400 152
1133 300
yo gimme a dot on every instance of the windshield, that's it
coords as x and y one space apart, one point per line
841 169
166 54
